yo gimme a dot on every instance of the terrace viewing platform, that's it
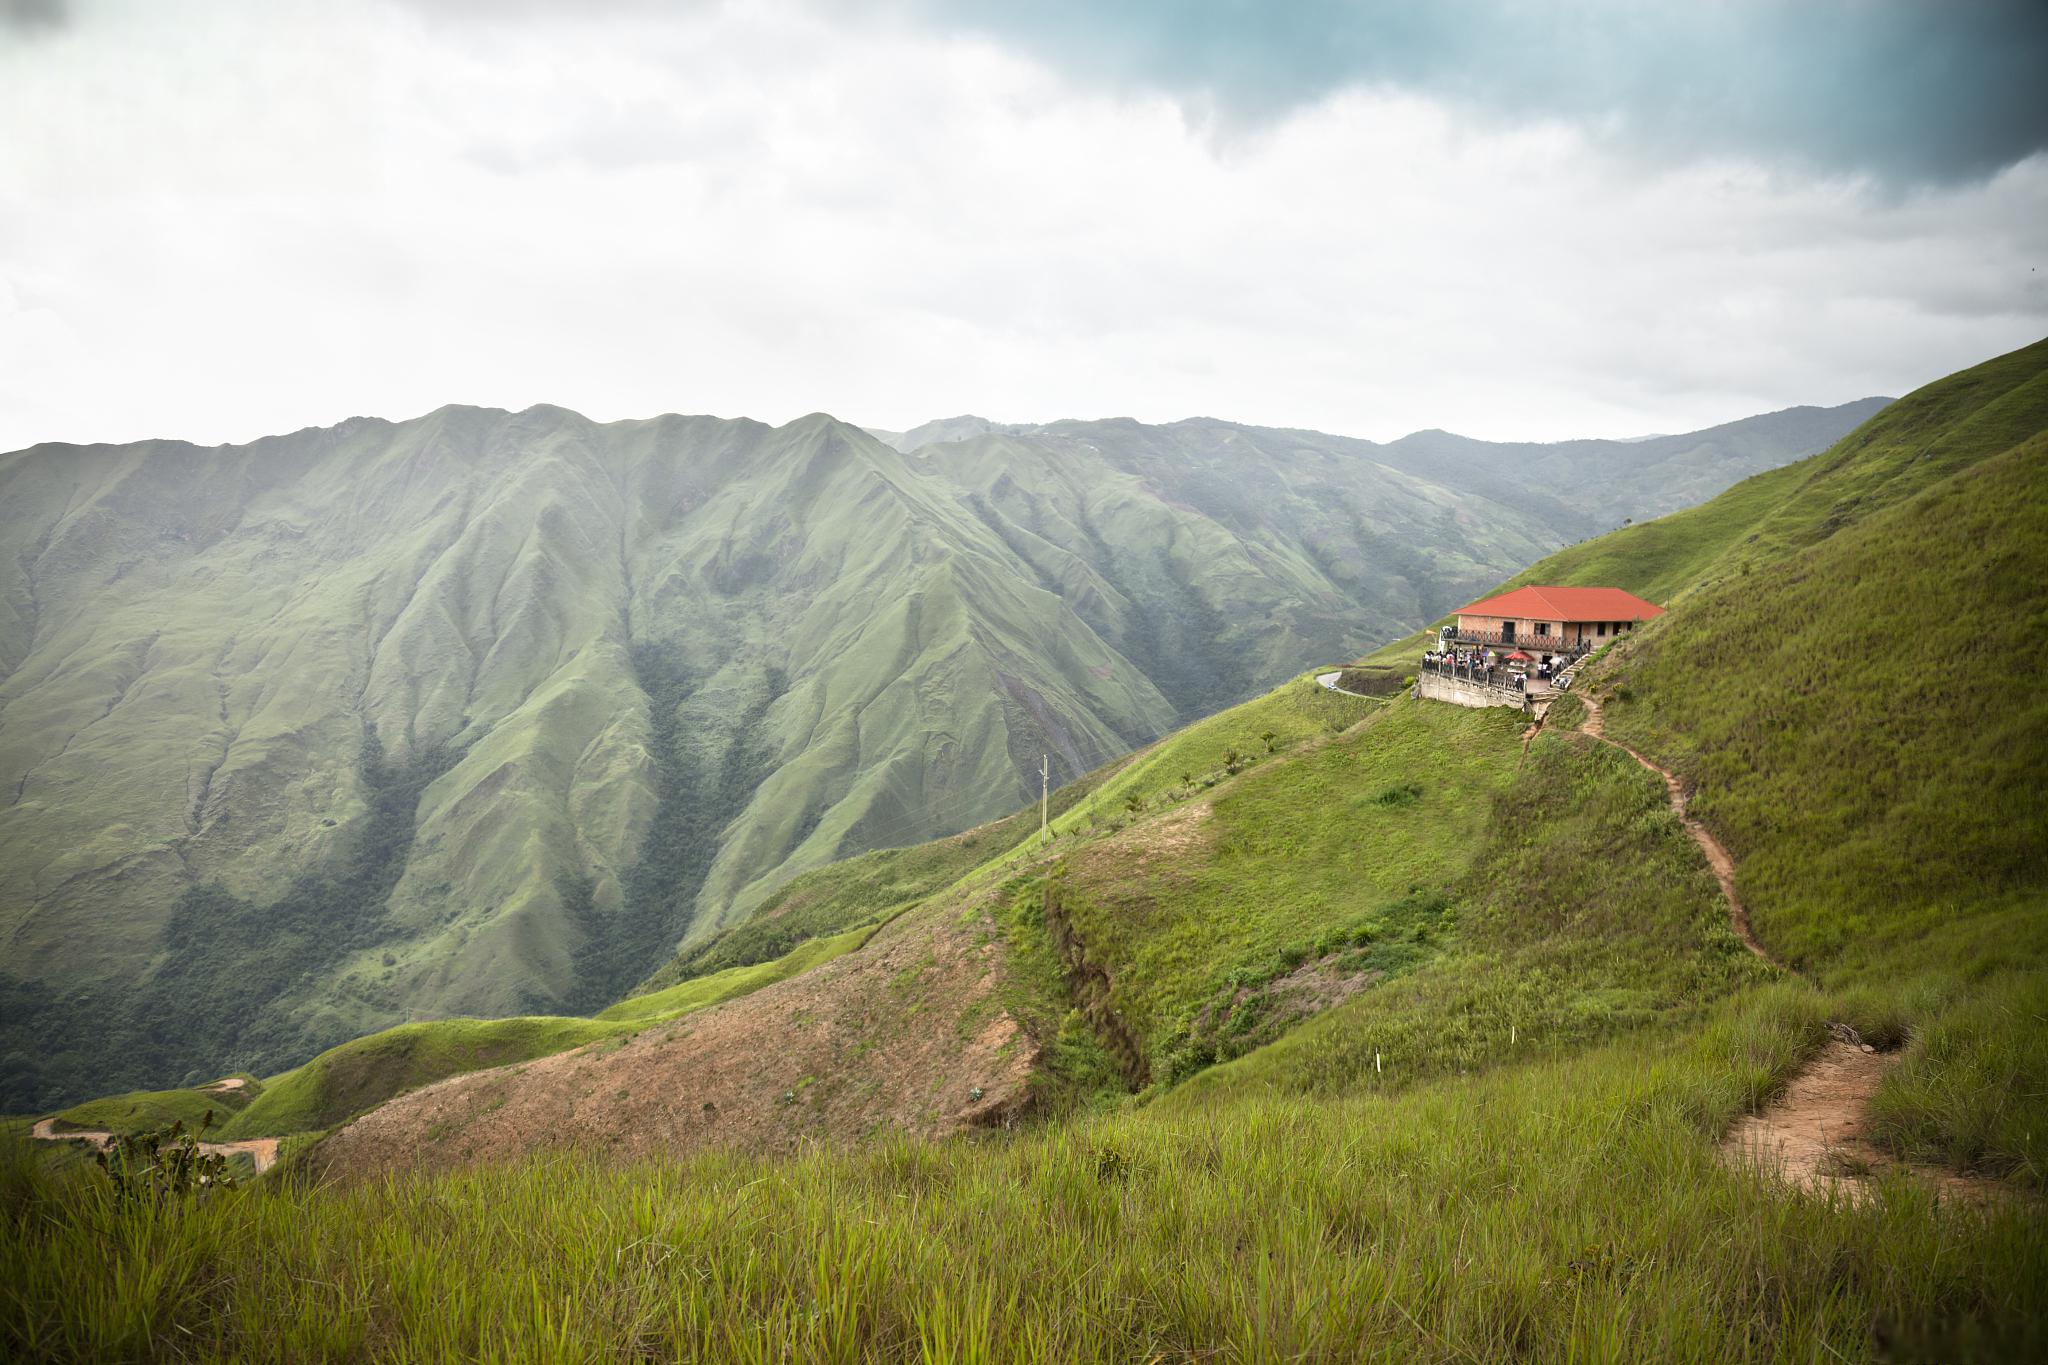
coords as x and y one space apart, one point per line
1469 681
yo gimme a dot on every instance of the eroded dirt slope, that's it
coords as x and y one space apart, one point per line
907 1034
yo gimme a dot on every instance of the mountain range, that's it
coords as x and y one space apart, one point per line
1695 1010
485 713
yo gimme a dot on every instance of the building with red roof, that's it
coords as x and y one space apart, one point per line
1549 620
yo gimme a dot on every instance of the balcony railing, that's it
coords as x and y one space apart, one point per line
1549 644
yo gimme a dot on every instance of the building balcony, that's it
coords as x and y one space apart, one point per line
1534 644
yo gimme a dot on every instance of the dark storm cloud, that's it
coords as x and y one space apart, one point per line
31 14
1905 90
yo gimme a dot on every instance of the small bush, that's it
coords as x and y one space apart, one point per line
163 1168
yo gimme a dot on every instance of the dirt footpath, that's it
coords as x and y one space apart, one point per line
261 1151
1816 1135
1717 855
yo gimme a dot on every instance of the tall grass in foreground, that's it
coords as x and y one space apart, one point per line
1555 1211
1970 1091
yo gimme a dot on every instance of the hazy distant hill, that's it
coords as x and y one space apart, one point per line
1608 482
961 428
1584 487
482 712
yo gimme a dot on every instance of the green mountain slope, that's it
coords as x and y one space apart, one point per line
482 713
1581 487
1439 1031
1917 441
1609 482
1836 682
1420 866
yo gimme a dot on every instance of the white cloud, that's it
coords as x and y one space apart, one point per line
239 218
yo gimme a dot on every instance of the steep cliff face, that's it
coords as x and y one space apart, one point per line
483 712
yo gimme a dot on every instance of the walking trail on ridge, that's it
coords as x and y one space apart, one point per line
1816 1134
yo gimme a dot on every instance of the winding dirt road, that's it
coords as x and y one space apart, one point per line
261 1151
1329 681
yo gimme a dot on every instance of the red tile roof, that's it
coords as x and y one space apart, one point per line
1566 604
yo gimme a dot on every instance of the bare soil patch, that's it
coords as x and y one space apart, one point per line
906 1034
1314 987
1173 833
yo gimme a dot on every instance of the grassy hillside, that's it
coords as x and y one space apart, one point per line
1328 869
1196 758
346 1080
1913 443
1567 1209
1491 1135
1844 688
863 890
484 713
357 1076
1402 855
697 992
144 1110
1355 841
1902 703
1874 768
860 891
1577 909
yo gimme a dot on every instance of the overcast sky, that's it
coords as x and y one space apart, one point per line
221 220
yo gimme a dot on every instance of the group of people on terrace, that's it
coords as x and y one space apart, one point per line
1486 666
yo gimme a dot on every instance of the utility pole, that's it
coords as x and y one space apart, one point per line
1044 794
